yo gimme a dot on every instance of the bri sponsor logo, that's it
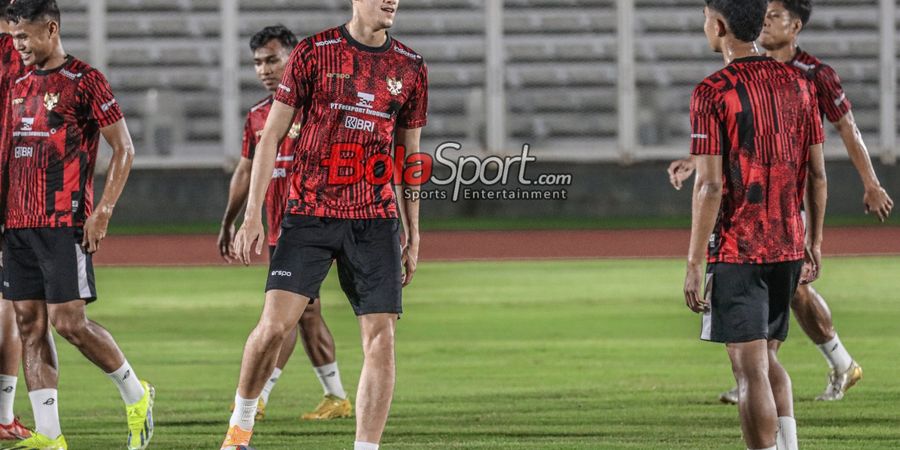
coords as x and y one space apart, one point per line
24 152
355 123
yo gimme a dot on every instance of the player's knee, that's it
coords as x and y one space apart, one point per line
379 340
272 331
68 327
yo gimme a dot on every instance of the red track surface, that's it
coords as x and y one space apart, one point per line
497 245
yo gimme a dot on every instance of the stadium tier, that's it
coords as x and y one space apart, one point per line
561 71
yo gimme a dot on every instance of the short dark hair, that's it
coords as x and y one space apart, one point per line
280 32
745 17
33 10
3 5
801 9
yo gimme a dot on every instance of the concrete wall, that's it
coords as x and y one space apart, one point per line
597 190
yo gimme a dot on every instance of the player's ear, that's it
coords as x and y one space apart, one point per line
53 28
721 27
797 26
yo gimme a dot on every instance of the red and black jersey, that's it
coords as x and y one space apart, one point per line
833 102
352 98
11 68
276 196
761 116
56 117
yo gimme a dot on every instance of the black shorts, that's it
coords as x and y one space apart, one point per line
47 264
748 302
368 257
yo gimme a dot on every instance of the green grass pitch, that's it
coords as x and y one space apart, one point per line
534 355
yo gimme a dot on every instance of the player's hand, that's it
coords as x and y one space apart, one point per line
410 258
878 201
693 289
679 171
95 230
812 264
251 231
226 243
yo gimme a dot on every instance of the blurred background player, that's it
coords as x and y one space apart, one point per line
360 92
756 135
58 112
780 37
272 47
10 345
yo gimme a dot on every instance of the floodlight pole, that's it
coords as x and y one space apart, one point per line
231 84
495 85
888 83
626 86
97 34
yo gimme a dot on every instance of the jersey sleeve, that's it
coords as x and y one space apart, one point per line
414 113
101 103
705 122
248 144
816 130
833 100
299 76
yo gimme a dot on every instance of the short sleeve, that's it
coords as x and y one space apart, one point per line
832 99
299 77
248 144
100 100
414 113
705 122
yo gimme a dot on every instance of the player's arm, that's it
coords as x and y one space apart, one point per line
410 140
118 137
237 198
875 199
816 200
679 171
277 125
707 199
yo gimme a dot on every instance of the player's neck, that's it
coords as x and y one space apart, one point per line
784 54
366 34
733 49
56 59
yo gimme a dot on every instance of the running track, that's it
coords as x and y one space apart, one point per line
497 245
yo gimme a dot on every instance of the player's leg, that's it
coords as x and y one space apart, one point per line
758 412
297 268
376 382
784 400
284 355
10 357
369 267
814 316
319 345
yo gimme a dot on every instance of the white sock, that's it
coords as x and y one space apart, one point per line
128 383
267 389
244 414
330 378
837 356
7 398
786 439
358 445
45 404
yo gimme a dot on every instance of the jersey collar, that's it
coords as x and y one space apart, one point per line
384 47
55 69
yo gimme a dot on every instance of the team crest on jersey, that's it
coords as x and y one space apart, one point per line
294 133
395 87
50 101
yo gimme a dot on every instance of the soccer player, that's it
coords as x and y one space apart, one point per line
272 48
10 345
784 22
360 91
59 111
756 142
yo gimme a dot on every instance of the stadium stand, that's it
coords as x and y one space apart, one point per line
561 63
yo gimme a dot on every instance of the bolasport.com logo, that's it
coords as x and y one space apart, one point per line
457 176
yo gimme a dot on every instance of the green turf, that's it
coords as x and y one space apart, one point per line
518 223
549 355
